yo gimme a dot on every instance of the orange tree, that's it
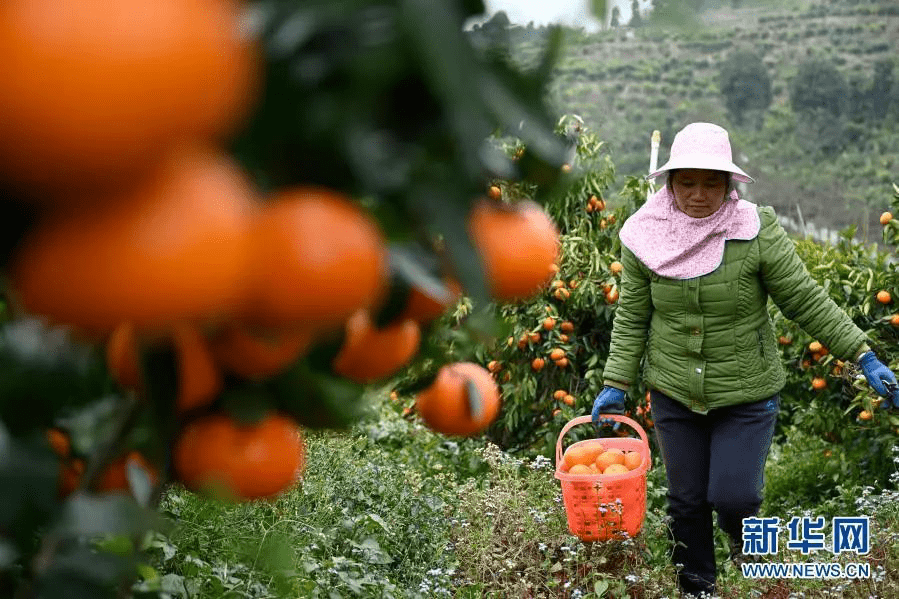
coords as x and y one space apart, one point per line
825 396
203 258
550 352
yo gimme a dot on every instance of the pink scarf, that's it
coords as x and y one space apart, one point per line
677 246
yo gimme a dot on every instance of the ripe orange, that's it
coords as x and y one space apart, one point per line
548 323
70 475
594 449
257 354
251 461
519 244
560 394
612 295
818 383
609 457
784 340
173 248
444 406
580 469
894 320
815 347
562 294
886 217
537 364
369 354
424 308
633 459
199 379
557 354
562 362
884 297
616 267
564 338
567 327
534 337
115 477
494 366
569 400
495 192
59 442
93 92
865 415
557 284
577 454
615 469
318 258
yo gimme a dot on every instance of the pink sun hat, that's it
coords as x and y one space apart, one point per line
702 145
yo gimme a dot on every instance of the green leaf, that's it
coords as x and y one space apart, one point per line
88 515
475 401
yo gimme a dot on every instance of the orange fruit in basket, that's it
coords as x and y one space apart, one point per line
594 450
609 457
577 454
633 459
616 469
580 469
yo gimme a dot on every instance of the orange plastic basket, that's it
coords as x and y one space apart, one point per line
611 506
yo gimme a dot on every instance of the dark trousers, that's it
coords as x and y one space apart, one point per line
712 461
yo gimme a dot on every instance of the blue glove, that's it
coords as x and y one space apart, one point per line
609 401
881 379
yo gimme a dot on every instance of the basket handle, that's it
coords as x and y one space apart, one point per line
586 419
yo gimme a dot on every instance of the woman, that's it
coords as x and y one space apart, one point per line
699 266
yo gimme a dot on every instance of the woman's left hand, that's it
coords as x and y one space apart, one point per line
881 379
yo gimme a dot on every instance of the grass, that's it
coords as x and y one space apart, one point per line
390 509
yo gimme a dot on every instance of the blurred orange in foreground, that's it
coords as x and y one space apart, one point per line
94 91
318 257
249 461
257 354
173 249
369 353
199 378
519 245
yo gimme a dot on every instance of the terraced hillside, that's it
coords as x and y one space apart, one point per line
625 83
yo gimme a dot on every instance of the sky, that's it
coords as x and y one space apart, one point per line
575 13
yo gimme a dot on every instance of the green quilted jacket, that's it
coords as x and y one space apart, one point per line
709 341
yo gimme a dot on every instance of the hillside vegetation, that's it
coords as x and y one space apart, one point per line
626 82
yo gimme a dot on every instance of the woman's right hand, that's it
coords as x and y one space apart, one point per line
609 401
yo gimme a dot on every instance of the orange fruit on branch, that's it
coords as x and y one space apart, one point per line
199 378
537 364
318 257
173 248
894 320
257 353
818 383
95 92
369 354
248 460
885 218
548 323
447 407
557 354
884 297
560 394
815 347
615 268
115 476
518 244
